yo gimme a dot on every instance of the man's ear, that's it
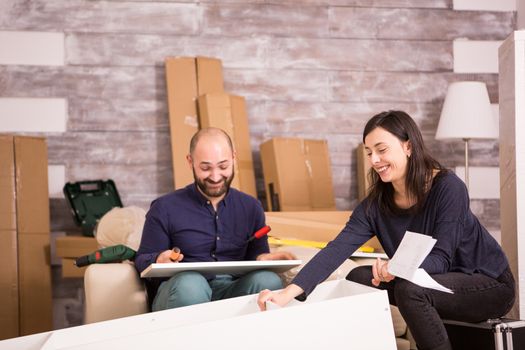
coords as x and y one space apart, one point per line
190 160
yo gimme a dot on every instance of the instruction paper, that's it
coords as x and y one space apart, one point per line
410 254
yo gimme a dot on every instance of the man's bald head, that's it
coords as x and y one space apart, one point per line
209 132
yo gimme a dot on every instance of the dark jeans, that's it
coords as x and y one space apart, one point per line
476 298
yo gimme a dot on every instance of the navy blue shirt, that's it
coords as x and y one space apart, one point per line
186 219
463 244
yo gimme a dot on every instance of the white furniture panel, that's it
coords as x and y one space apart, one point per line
349 311
32 48
471 56
33 114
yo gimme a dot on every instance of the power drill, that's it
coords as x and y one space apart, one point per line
116 253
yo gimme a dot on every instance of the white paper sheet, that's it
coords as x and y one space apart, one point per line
410 254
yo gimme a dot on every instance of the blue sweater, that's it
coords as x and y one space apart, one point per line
186 219
463 244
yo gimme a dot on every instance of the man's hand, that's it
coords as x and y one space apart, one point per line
164 257
283 255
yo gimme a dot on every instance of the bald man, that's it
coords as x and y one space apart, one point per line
208 221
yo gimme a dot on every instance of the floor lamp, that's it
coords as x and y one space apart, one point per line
467 115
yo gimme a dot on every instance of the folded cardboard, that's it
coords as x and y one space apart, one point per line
75 246
9 316
297 174
186 79
321 226
32 193
363 169
35 283
25 285
228 112
352 315
209 75
7 184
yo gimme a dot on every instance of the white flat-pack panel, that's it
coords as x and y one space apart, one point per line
218 267
347 311
472 56
483 181
33 114
485 5
32 48
56 175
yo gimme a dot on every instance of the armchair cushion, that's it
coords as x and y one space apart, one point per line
113 291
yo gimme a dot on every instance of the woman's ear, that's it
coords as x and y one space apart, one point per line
408 148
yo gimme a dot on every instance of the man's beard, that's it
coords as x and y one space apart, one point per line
203 185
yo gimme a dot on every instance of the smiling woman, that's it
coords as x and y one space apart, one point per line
411 191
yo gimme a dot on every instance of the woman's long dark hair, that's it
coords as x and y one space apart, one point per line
420 166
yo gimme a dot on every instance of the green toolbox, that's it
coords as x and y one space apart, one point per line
90 200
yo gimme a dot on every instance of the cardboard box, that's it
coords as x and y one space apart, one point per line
75 246
297 175
24 236
209 75
7 184
228 112
31 185
9 315
181 79
352 315
35 283
186 79
322 226
70 270
363 168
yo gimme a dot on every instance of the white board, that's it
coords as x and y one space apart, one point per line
219 267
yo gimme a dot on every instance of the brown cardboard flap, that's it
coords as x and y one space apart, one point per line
7 184
181 80
319 171
224 111
300 174
35 283
32 194
243 146
209 75
9 316
322 226
75 246
363 168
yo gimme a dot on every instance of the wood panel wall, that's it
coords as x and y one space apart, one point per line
310 68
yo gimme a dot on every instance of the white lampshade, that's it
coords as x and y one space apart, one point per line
467 113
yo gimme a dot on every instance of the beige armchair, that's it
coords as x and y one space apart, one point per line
113 291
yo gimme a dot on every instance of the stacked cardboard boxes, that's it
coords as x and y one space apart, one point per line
25 276
228 112
196 98
297 175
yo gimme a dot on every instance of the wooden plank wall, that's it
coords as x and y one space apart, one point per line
310 68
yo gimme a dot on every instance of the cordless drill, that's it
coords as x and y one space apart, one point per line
116 253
